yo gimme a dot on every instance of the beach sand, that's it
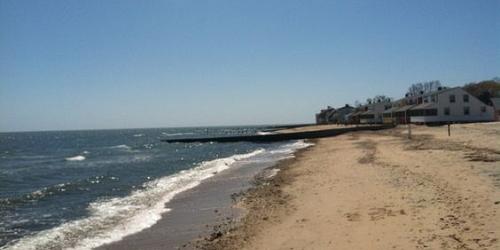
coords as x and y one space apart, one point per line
314 128
379 190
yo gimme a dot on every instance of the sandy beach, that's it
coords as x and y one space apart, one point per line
379 190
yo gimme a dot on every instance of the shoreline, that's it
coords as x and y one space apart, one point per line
379 190
194 212
264 201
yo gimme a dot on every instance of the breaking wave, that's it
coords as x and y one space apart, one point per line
289 149
40 194
264 133
76 158
112 219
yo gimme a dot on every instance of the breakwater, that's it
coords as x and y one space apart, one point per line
281 136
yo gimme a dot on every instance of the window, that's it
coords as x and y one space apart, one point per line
446 111
483 109
466 98
452 98
431 112
466 110
423 112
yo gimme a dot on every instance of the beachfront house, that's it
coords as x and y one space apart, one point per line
340 114
368 117
396 112
496 106
324 116
373 113
388 116
449 105
402 114
353 117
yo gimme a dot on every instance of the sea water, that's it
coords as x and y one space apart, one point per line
83 189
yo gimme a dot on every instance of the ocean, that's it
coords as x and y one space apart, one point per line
84 189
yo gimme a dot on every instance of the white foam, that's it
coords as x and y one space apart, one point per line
122 146
264 133
271 173
300 144
289 149
76 158
176 134
138 135
111 220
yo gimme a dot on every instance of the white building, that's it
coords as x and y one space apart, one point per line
373 113
450 105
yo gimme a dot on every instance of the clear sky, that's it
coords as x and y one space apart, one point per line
74 64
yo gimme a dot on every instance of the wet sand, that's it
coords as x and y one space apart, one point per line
380 190
197 214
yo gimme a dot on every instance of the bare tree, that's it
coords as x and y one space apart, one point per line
381 98
415 89
423 87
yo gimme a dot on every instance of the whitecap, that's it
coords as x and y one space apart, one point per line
121 146
76 158
138 135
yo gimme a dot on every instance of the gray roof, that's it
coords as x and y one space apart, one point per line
357 112
428 105
404 108
445 89
345 107
393 109
369 112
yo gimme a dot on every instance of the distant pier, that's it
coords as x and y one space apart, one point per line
281 136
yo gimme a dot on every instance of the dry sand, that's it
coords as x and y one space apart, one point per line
314 128
379 190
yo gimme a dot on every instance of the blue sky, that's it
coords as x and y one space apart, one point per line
128 64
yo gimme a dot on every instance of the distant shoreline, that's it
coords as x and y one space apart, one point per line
272 126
